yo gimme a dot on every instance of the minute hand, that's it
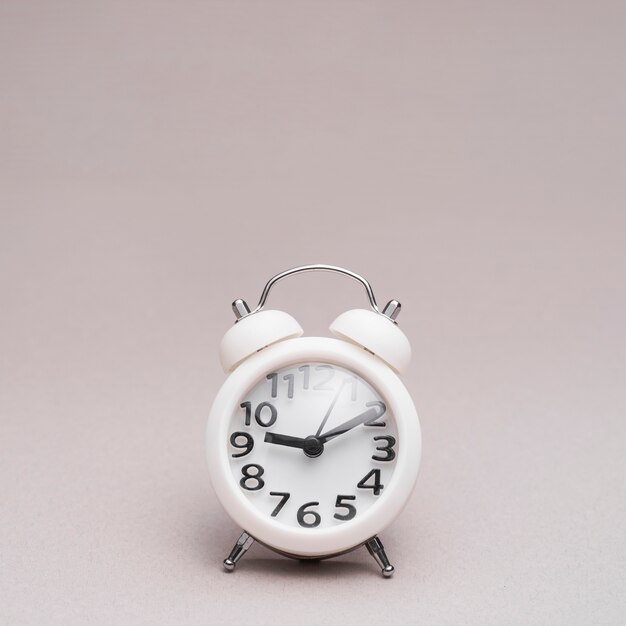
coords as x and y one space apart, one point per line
374 412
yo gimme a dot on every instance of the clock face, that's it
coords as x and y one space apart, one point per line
312 445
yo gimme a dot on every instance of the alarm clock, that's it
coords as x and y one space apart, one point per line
313 443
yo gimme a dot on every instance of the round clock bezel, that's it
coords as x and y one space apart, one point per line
328 540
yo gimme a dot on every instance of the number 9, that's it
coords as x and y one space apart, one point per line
247 446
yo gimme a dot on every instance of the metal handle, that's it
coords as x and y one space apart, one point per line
391 310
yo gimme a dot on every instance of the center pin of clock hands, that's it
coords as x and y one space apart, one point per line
313 445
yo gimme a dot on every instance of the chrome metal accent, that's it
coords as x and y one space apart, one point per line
377 550
373 545
316 268
240 308
392 309
239 549
323 557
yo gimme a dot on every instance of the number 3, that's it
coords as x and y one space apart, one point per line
388 449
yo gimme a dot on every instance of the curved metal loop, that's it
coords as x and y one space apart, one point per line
316 268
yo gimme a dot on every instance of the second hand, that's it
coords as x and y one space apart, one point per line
330 408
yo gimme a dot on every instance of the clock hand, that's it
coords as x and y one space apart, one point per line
312 446
284 440
376 410
330 408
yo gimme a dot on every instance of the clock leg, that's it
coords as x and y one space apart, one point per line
239 549
376 549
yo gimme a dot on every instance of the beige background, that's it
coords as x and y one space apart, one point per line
159 159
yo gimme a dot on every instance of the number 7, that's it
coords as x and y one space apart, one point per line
284 497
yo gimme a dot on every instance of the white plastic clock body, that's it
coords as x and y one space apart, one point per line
313 443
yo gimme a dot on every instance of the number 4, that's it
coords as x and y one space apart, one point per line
377 487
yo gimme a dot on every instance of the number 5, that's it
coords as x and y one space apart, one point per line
350 508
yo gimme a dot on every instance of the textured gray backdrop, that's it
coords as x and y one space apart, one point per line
159 159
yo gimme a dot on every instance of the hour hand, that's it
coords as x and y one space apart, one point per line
284 440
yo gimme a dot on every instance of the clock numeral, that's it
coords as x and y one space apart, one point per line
349 507
266 421
374 422
258 414
248 477
248 445
303 514
289 379
248 408
352 380
328 376
327 373
274 378
284 496
306 370
390 453
376 487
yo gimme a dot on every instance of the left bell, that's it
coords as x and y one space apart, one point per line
253 332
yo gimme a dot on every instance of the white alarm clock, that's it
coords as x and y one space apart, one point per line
313 443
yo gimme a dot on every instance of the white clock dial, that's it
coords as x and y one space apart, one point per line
312 445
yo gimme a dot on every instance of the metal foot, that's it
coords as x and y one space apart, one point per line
376 549
239 549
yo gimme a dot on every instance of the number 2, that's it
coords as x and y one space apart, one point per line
329 375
